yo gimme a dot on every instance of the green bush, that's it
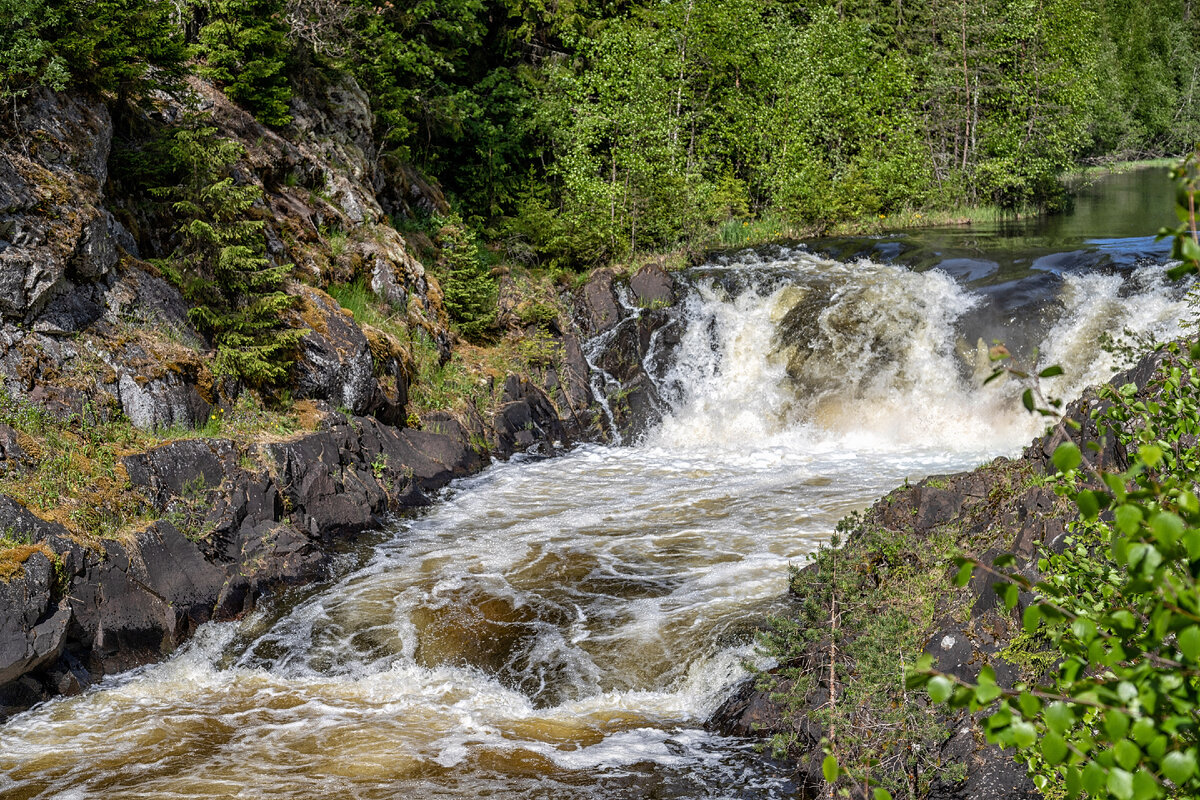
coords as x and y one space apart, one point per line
116 46
220 262
26 58
243 47
468 289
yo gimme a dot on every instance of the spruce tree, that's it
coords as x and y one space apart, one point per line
220 263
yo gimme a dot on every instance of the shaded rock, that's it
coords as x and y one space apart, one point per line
71 310
334 362
992 774
141 297
749 712
32 625
599 307
403 192
652 287
525 416
96 249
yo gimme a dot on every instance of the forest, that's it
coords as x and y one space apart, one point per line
573 133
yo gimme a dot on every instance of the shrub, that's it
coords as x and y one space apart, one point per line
467 286
243 47
220 262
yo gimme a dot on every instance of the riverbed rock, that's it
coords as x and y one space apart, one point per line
599 308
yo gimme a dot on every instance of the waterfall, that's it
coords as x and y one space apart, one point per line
561 628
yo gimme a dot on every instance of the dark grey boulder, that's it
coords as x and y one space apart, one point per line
33 625
652 287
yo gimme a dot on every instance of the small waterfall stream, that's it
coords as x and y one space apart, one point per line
562 628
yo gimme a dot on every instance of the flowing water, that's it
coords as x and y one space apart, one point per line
562 628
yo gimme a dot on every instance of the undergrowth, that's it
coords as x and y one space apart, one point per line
71 470
867 604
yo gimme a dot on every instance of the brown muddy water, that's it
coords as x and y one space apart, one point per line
562 628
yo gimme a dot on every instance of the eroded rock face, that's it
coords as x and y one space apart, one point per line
32 627
52 226
623 337
75 300
334 362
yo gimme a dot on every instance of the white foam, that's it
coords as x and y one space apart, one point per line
591 610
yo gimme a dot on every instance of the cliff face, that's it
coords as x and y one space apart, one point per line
93 336
74 290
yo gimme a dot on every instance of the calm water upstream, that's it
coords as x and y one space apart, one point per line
562 628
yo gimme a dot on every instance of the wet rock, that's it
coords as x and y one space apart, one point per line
599 307
144 597
334 362
33 626
749 712
631 391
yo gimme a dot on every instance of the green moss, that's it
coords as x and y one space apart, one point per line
1032 654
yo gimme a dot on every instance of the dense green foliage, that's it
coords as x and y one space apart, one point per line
107 45
578 132
243 47
468 290
220 262
860 608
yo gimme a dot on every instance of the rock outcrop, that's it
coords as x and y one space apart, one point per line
1004 507
86 322
630 322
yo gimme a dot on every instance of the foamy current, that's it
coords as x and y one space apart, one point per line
562 628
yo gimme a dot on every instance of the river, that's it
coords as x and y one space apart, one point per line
562 628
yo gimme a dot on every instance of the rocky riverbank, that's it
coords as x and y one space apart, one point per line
863 611
139 497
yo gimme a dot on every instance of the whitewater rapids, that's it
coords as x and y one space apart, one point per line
562 628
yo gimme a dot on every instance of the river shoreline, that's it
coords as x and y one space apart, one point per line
906 543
